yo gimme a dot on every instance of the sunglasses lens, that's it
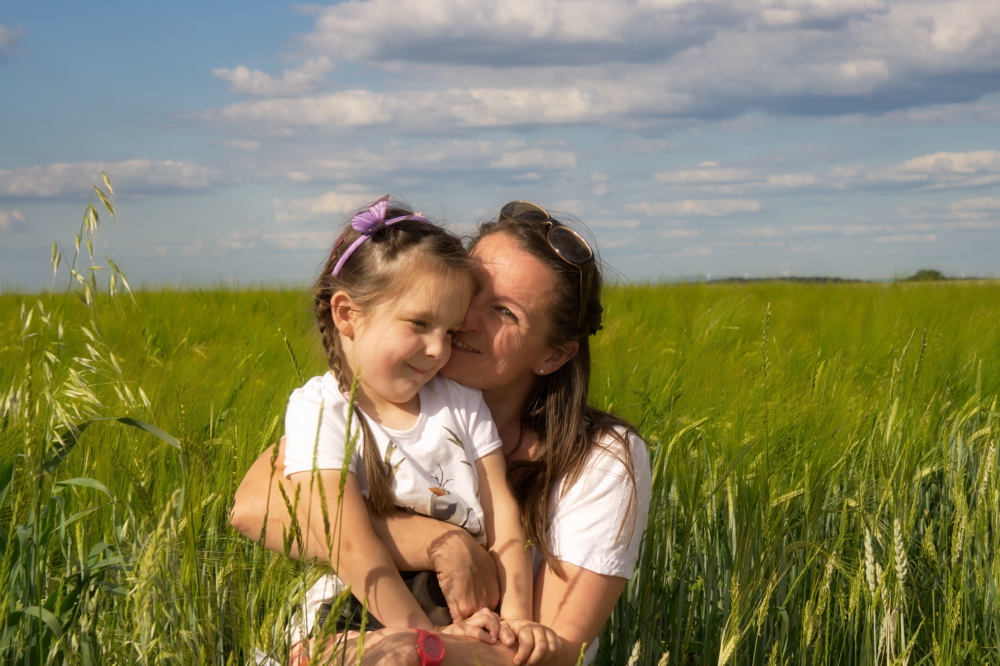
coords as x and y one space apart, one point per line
525 210
570 245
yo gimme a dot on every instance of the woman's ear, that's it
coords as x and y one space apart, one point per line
558 357
344 314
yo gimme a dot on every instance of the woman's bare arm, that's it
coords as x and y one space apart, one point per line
575 608
465 570
260 512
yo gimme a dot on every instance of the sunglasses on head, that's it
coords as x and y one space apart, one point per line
566 243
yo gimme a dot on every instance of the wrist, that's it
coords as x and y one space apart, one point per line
430 648
450 550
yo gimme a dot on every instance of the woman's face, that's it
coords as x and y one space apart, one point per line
503 342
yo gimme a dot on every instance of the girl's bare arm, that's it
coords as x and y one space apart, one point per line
465 570
338 524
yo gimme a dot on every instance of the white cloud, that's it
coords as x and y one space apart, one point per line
305 79
305 240
235 241
941 170
982 204
698 208
424 158
11 220
332 207
9 41
535 158
708 173
678 233
906 238
643 62
130 177
937 171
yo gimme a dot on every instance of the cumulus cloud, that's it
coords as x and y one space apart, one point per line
698 208
450 156
329 206
11 220
301 240
9 41
235 241
130 177
304 79
449 109
637 62
946 170
936 171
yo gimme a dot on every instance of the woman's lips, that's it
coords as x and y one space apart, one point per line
458 344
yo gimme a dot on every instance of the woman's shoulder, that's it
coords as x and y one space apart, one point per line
617 447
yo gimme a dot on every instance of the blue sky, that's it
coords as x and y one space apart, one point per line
855 138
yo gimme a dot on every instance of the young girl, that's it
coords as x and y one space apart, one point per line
394 290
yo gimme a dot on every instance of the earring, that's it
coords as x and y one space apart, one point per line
541 371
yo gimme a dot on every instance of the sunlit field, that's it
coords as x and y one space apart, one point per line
824 472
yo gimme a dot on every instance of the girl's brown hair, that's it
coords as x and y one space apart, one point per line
557 408
376 272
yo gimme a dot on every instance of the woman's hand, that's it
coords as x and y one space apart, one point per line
535 642
483 625
466 573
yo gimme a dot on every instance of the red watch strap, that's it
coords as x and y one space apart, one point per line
430 648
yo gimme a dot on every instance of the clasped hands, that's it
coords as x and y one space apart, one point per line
535 642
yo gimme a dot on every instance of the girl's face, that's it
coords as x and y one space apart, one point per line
399 345
504 341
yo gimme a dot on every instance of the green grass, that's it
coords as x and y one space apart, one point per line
825 486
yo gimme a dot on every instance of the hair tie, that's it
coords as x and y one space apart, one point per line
368 222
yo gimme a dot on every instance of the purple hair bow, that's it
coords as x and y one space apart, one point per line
367 223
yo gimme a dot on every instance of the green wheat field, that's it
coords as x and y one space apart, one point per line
824 472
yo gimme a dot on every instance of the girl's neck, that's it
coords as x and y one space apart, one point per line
398 416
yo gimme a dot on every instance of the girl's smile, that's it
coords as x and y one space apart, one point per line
398 346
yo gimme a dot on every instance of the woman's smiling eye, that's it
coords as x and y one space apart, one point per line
418 323
506 313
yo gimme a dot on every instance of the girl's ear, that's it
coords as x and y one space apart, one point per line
558 356
344 314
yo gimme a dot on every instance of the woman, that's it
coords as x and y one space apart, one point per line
580 476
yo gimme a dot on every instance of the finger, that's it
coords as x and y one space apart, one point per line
541 648
525 646
488 620
485 637
507 635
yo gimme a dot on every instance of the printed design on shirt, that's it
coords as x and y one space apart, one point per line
391 469
452 508
457 441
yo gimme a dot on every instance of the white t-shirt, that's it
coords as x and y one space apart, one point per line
431 465
591 524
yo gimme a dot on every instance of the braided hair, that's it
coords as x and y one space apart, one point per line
376 272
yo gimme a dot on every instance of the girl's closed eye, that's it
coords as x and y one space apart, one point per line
419 323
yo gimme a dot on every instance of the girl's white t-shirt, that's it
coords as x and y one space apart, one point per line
431 465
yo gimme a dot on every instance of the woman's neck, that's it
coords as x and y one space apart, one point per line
506 410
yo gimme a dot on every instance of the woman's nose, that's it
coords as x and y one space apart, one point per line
473 317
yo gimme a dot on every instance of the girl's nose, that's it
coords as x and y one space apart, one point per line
436 346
